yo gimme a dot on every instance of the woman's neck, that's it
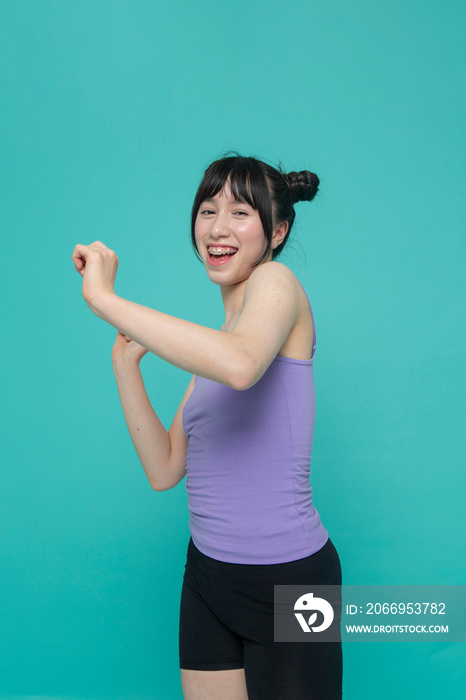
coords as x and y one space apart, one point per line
232 298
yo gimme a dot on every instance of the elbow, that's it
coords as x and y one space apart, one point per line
242 383
168 480
158 487
245 375
161 484
157 483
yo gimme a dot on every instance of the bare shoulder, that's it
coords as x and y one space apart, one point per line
275 276
275 296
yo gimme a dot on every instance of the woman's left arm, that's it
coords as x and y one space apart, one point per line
236 359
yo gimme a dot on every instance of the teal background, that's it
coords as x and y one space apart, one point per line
110 113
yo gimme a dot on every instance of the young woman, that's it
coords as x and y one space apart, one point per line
242 435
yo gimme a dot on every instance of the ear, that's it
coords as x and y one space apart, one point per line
279 234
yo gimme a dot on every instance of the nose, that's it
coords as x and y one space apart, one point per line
220 227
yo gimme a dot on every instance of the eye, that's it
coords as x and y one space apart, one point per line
242 212
206 211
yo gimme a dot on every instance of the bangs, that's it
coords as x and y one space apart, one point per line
240 172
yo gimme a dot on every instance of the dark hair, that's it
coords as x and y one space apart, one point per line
269 190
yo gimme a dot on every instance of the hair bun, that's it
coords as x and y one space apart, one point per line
303 185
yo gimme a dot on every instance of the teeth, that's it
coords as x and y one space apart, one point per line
221 251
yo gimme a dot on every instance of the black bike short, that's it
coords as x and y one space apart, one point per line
227 622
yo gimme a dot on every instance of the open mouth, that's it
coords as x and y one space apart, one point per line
220 254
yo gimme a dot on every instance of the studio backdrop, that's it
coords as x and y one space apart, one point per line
110 113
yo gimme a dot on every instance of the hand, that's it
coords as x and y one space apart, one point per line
126 349
97 265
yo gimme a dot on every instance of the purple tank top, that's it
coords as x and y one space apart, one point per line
248 466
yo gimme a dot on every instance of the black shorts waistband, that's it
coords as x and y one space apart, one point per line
325 563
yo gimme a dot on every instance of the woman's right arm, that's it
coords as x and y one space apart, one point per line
162 453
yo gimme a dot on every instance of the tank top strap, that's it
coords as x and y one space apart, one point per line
313 324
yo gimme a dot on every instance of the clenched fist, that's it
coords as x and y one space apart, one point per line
126 349
98 266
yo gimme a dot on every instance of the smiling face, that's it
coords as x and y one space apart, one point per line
230 238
